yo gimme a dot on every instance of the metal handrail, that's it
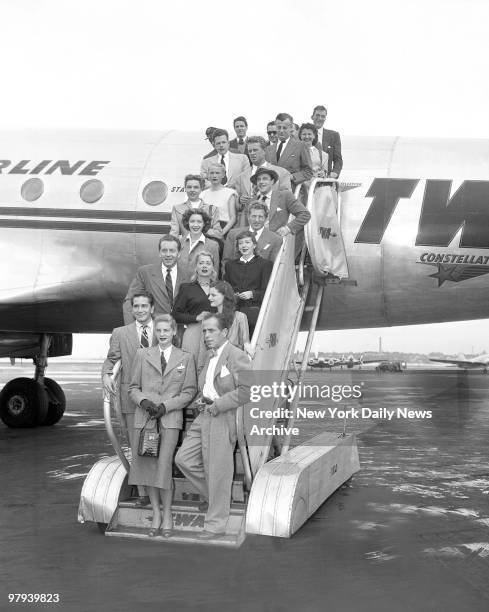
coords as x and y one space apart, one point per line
108 420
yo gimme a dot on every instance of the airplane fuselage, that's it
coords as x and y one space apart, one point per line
80 212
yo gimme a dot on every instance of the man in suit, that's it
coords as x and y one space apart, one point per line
329 140
272 133
240 143
280 204
267 243
234 163
290 153
163 383
206 455
161 279
256 148
124 342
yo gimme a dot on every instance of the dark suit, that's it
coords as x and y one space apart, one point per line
206 455
332 146
235 146
267 246
150 278
294 157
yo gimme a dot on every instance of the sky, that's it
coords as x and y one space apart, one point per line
411 68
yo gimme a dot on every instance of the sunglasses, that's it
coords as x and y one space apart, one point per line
271 133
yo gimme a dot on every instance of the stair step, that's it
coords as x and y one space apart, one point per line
131 522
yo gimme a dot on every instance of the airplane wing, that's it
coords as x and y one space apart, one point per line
462 363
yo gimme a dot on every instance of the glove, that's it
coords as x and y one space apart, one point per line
148 405
160 411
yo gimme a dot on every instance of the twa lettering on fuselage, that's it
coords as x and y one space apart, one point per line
441 216
49 166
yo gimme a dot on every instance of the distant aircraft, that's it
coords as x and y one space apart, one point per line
476 363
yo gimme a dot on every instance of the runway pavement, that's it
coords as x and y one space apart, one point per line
409 532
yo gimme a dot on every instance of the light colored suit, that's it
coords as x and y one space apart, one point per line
244 186
124 343
237 164
283 204
175 389
294 157
206 455
150 278
187 258
267 246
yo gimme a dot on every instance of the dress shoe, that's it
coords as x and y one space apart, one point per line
203 506
167 532
210 535
142 501
154 531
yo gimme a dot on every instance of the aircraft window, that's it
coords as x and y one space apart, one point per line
32 189
155 193
91 191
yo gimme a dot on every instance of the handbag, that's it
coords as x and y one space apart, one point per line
150 439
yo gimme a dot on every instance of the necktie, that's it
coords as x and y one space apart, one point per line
279 150
213 352
224 179
144 337
264 198
169 286
240 141
163 363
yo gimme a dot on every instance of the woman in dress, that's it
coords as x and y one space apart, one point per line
192 301
163 383
309 136
224 198
197 224
248 275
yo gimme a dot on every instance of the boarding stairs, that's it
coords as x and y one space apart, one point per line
271 496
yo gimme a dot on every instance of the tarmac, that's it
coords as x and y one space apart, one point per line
408 532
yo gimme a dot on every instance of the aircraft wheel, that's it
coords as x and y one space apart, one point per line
23 403
57 402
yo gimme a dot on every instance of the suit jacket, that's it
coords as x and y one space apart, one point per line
124 343
186 260
232 382
176 388
295 158
332 146
267 246
243 184
237 164
283 204
234 146
150 278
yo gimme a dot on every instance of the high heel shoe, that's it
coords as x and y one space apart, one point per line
166 532
154 531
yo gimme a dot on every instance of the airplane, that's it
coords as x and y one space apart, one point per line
81 211
476 363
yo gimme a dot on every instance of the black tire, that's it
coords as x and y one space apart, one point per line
23 403
56 402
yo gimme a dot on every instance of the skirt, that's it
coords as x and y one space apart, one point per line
155 471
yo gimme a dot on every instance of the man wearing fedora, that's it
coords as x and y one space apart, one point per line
280 204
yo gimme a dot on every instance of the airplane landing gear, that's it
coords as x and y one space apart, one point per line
27 402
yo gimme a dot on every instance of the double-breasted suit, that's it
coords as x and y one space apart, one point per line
150 278
294 157
237 164
206 455
175 388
